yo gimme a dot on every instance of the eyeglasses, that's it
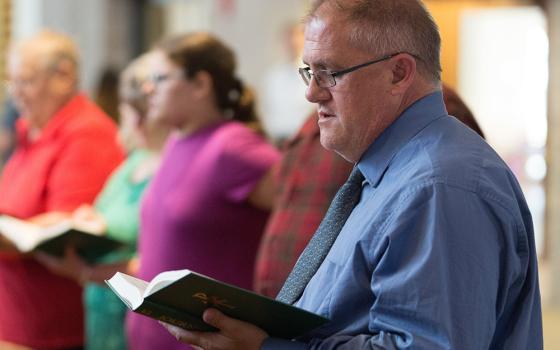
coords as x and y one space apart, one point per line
161 77
326 79
18 84
28 81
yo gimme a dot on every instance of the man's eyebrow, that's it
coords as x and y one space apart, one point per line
318 65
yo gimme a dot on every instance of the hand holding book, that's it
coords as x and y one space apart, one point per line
183 299
86 216
232 334
70 265
27 236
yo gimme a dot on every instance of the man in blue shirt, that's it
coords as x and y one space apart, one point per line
439 251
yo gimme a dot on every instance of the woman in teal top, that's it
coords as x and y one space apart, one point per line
116 212
118 204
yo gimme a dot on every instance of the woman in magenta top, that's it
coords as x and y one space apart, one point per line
202 208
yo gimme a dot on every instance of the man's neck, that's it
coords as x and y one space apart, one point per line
416 92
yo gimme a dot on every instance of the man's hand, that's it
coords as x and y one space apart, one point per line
49 218
233 334
87 218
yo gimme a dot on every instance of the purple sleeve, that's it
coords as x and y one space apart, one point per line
246 158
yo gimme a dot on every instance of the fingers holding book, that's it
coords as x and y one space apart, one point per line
233 334
70 265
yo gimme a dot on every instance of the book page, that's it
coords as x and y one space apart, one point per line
164 279
129 289
23 235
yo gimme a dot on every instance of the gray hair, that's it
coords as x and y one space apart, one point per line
390 26
50 48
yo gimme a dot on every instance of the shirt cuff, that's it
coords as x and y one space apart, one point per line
282 344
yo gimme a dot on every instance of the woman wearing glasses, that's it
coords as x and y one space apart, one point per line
202 210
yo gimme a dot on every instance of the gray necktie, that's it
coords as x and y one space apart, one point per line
323 239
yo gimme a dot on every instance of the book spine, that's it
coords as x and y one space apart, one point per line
173 316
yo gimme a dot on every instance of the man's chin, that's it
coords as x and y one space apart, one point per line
327 142
330 144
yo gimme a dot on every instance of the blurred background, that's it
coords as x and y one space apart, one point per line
502 56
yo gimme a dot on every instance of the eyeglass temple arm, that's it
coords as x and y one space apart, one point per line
387 57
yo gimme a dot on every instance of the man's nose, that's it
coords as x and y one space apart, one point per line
315 93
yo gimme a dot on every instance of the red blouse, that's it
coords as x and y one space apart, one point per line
64 167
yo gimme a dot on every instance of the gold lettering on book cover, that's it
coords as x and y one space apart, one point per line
211 300
146 312
176 322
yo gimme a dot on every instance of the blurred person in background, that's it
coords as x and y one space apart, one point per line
116 210
305 181
202 210
66 148
106 94
456 107
283 100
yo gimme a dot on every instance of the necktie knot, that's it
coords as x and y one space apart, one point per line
356 178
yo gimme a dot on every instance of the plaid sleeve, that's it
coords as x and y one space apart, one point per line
308 179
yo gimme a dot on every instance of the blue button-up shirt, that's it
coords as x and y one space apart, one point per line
438 254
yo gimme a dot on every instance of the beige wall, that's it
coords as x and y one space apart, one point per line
447 15
553 155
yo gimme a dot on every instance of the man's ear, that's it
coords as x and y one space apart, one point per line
404 72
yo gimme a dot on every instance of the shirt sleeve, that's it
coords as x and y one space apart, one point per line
119 201
436 245
245 159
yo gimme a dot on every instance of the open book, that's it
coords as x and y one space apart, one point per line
53 240
180 297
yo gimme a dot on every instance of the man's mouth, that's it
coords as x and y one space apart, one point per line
325 115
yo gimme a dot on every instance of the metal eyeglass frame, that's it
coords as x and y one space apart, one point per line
329 77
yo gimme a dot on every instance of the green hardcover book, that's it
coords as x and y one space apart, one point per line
180 297
53 240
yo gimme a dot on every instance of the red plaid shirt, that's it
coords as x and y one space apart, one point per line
307 180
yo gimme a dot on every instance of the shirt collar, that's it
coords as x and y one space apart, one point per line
416 117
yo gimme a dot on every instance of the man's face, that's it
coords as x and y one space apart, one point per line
30 87
358 108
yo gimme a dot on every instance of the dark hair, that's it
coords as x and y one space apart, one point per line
457 108
200 51
106 95
388 26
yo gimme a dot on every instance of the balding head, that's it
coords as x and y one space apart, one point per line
370 60
387 26
48 49
43 72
